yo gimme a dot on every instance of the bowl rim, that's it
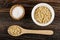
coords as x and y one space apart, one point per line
49 7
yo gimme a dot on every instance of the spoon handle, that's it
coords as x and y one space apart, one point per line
44 32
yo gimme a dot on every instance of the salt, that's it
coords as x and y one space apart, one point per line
17 12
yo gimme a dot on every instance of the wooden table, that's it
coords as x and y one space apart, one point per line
26 22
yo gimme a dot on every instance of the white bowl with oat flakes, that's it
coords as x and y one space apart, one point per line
42 14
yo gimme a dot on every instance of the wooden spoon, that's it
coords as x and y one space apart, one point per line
24 31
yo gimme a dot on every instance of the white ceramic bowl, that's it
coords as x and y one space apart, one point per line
51 10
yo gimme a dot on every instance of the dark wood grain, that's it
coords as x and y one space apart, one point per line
26 22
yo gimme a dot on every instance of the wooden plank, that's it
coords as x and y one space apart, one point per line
26 22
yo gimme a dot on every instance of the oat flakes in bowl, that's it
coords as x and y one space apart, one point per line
43 14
